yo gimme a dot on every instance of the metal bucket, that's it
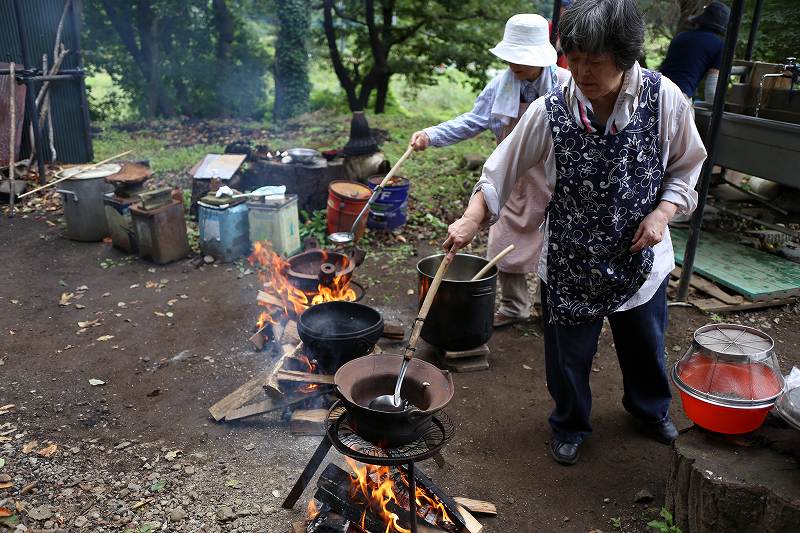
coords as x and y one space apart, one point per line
462 312
84 209
224 231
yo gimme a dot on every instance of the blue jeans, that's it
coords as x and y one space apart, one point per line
570 350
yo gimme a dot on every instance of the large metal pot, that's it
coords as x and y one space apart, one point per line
462 312
84 208
360 381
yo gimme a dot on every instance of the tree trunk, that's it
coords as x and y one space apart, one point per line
292 87
224 23
383 93
147 22
345 81
735 484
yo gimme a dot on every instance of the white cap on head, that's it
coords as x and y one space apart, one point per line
526 41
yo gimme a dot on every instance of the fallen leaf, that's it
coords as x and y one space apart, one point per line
15 302
65 298
151 284
158 313
106 294
158 486
7 407
82 288
47 451
232 483
105 338
172 455
183 297
526 367
141 503
80 306
410 291
5 512
29 447
170 314
89 323
94 382
134 286
2 462
6 485
171 302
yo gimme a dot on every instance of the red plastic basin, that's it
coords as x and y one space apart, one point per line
735 380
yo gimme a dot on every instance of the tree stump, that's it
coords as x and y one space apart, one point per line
736 483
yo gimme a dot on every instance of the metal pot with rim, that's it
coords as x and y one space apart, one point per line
462 312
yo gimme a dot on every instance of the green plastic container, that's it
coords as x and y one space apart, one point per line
276 221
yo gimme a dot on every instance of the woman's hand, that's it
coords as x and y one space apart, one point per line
651 230
420 141
459 234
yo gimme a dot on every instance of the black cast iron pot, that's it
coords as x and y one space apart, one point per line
362 380
334 333
463 311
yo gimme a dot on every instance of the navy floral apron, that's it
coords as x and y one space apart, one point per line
606 185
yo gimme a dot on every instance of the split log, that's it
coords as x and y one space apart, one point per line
298 527
271 386
393 331
308 422
734 484
296 376
271 404
240 396
470 524
709 288
477 506
266 299
426 483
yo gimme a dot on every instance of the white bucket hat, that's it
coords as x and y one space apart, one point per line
526 41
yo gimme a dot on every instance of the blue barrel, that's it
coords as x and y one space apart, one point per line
391 206
224 231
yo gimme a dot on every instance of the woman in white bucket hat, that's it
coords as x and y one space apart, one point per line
531 73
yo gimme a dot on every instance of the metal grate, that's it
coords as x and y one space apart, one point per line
349 443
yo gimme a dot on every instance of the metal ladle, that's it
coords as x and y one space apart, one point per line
345 237
392 402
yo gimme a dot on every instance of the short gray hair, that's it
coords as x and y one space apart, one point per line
611 27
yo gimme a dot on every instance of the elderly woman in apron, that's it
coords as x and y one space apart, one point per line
531 73
621 155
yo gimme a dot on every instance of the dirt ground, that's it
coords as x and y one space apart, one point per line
141 452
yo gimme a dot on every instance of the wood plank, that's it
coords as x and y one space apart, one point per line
393 330
240 396
296 376
712 305
757 275
477 506
472 525
308 422
269 405
480 351
709 288
290 335
265 298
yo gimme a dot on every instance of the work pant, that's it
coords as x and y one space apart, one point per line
515 298
569 352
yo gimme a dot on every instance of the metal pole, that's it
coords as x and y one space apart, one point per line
556 18
711 146
751 40
412 497
30 97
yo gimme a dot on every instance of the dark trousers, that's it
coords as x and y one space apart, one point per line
570 350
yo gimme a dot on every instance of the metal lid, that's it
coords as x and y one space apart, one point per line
788 406
78 173
730 365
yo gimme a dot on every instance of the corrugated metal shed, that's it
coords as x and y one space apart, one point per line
39 23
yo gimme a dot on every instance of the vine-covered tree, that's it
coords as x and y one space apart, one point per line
292 87
369 41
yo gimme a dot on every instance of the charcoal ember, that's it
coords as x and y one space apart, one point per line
328 522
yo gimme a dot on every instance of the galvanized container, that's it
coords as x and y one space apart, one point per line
161 232
224 230
276 221
120 222
83 203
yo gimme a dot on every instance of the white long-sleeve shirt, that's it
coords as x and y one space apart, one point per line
531 144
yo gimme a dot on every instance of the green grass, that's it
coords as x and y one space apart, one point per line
162 158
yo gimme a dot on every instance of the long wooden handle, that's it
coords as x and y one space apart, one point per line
426 306
492 263
94 165
396 166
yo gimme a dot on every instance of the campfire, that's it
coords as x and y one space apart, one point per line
373 499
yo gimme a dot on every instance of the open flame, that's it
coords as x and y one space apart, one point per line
377 485
311 367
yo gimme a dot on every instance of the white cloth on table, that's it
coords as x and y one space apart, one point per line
531 144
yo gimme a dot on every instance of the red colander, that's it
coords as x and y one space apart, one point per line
729 378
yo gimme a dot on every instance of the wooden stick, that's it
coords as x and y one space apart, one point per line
12 140
492 263
269 405
477 506
239 397
271 385
295 376
95 165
